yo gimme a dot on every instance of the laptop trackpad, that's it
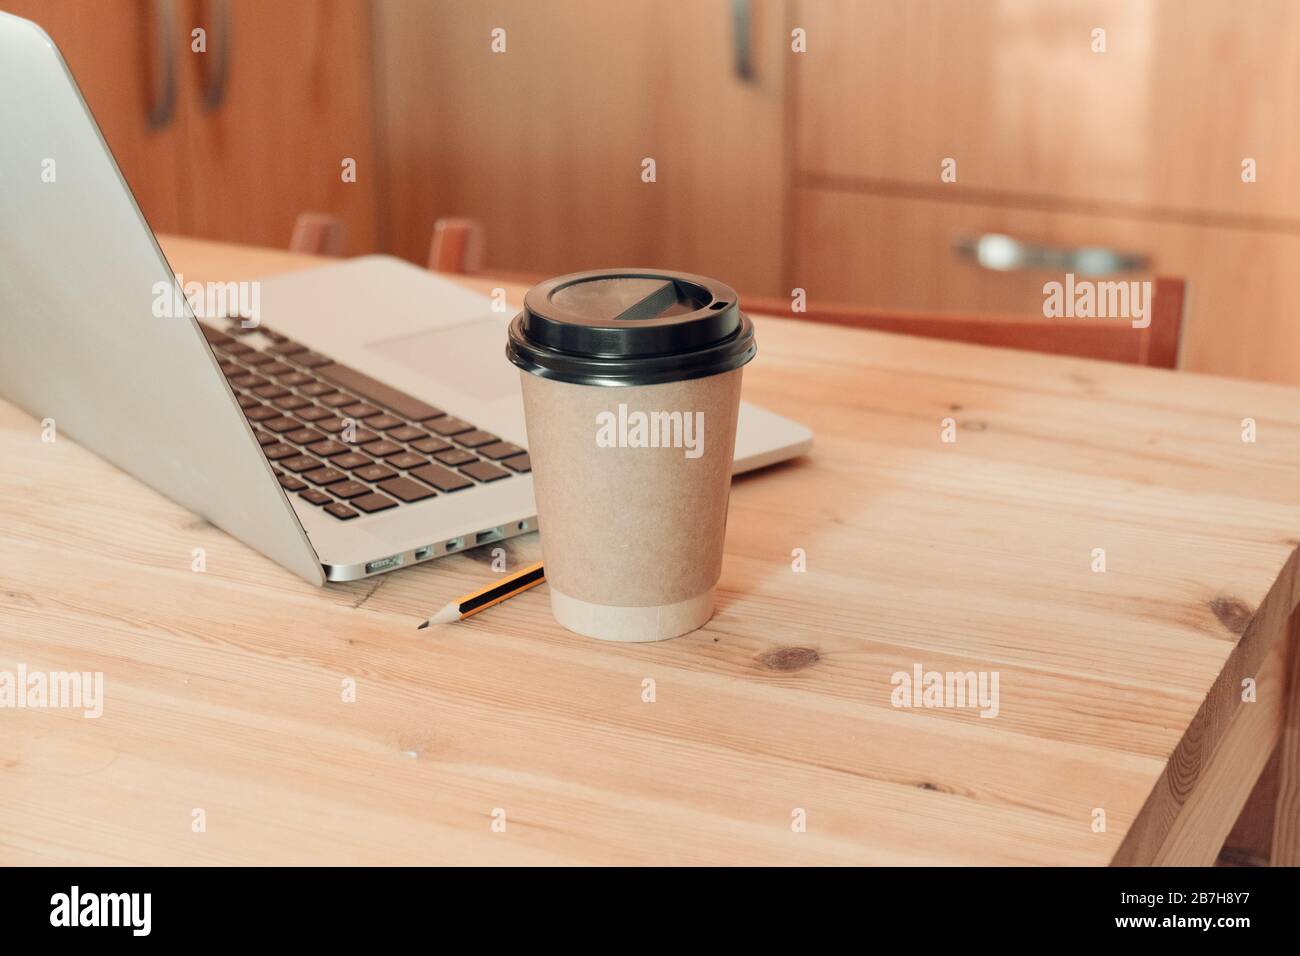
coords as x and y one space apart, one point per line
470 357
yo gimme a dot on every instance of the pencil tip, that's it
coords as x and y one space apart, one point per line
421 627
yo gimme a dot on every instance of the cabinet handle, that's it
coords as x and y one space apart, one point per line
1004 254
162 102
216 76
741 39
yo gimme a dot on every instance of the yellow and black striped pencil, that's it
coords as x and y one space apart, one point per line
485 597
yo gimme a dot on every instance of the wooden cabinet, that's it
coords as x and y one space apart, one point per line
897 253
114 51
1014 91
297 105
1138 149
545 142
238 159
818 169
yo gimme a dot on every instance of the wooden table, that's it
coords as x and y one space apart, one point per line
771 736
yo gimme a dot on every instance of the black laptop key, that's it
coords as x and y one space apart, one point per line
299 463
290 483
373 390
303 436
403 433
351 460
406 489
279 451
324 476
441 478
286 347
327 448
373 472
407 460
429 445
349 489
359 410
282 424
447 425
499 450
290 403
383 423
382 449
519 463
455 456
476 438
373 502
340 511
315 497
308 359
214 336
484 471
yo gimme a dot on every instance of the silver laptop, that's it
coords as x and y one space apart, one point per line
345 421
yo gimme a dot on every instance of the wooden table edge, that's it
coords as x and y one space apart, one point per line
1224 750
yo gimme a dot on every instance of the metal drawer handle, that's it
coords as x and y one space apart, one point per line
162 103
1004 254
214 88
742 39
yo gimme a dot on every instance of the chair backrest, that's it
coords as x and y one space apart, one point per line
1116 340
457 247
317 233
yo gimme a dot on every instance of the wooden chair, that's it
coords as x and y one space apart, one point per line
1113 340
458 246
317 233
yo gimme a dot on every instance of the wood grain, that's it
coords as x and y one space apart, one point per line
1156 344
299 102
112 52
1158 123
224 687
544 143
1239 293
1286 810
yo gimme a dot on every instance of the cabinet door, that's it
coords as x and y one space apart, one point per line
117 52
545 142
897 253
296 104
1015 92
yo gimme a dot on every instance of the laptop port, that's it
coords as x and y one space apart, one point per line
384 564
455 543
491 534
422 553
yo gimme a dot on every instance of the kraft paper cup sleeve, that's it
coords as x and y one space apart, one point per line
631 528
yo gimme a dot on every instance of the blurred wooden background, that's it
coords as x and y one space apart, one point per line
774 169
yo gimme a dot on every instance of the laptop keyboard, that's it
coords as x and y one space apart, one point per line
346 442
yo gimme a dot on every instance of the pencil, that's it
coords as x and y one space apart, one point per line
485 597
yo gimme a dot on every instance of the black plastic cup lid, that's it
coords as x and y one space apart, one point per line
630 327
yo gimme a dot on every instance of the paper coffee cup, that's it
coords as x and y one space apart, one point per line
631 385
